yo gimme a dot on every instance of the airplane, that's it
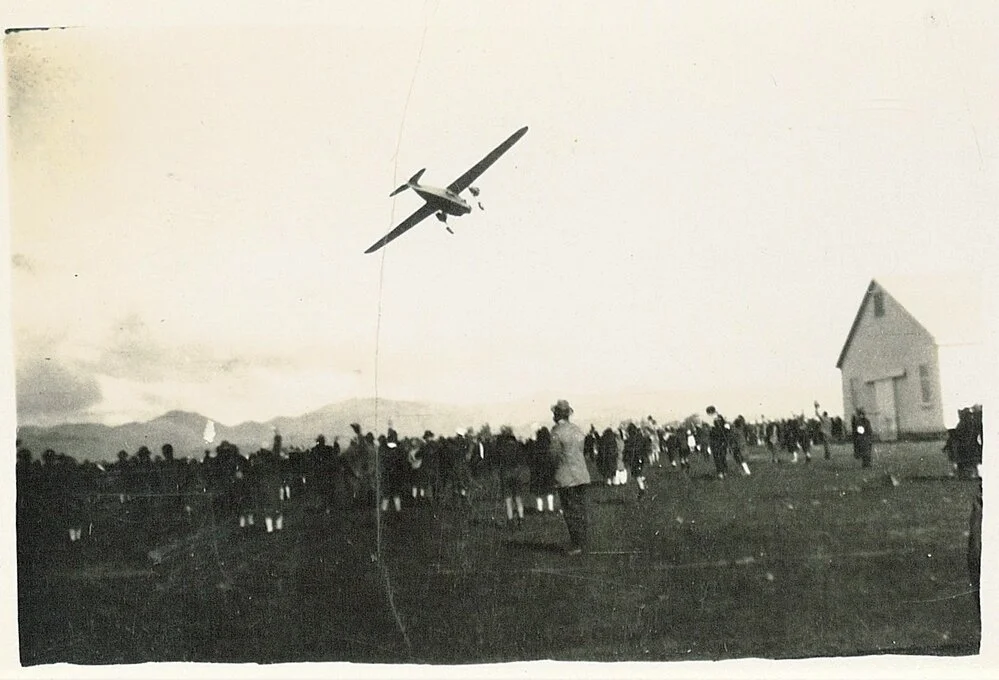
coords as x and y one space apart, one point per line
447 201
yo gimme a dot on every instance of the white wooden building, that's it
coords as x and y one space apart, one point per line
915 354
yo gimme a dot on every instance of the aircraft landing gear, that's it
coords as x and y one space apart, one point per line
442 216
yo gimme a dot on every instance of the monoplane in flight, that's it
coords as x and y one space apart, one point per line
447 201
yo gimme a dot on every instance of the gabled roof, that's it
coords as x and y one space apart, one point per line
950 307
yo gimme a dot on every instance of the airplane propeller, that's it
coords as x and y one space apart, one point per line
475 192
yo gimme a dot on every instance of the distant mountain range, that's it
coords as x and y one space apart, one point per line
185 430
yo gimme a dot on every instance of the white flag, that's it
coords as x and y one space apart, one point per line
209 435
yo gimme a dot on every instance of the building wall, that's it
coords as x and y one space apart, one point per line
893 346
920 402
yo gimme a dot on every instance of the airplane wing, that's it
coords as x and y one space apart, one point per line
465 180
423 213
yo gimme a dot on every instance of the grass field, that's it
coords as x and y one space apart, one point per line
823 559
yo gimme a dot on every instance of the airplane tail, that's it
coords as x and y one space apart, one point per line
414 180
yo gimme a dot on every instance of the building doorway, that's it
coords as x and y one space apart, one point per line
886 422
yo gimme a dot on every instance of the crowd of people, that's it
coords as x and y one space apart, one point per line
160 493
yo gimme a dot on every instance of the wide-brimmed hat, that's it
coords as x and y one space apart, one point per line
562 406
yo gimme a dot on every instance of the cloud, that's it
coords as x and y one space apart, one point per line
50 391
22 263
136 368
144 353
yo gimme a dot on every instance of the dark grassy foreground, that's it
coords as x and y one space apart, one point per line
812 560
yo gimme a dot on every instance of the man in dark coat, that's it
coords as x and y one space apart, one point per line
636 453
675 443
964 443
718 441
392 473
863 438
791 437
607 455
458 450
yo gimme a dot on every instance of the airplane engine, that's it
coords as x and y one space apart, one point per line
474 191
442 216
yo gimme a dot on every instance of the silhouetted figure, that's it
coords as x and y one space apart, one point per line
515 474
964 443
737 443
570 475
607 455
543 471
863 438
636 453
825 430
718 438
773 439
392 462
418 456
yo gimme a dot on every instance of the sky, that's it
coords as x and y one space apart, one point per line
700 202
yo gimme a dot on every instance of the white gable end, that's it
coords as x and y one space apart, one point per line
914 355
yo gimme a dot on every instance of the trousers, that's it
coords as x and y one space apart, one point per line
573 499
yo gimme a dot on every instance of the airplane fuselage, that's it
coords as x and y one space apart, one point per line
446 201
443 200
